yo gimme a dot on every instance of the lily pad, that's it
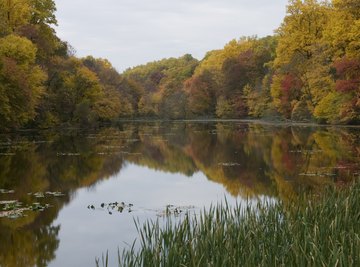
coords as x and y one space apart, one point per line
39 195
7 154
5 191
112 207
171 210
38 207
229 164
9 205
12 214
13 209
55 194
46 194
60 154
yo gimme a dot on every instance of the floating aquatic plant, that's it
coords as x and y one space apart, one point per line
60 154
113 207
12 214
46 194
229 164
13 209
174 210
10 205
5 191
121 207
38 207
55 194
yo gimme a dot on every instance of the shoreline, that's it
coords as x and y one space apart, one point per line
209 120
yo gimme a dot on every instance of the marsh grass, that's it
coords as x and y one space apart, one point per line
321 230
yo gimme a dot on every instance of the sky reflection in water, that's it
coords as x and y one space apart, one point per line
152 165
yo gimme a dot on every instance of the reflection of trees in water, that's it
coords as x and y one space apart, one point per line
253 159
65 162
28 247
247 159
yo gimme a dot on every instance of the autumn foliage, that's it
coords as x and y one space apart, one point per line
348 74
308 71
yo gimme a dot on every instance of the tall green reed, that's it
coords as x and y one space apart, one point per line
322 230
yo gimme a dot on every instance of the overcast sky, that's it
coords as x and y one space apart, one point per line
133 32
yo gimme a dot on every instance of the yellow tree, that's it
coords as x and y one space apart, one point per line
13 14
342 33
21 81
342 38
301 30
298 54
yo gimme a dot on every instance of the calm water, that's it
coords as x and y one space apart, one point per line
149 166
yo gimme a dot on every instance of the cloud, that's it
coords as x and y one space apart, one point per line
132 32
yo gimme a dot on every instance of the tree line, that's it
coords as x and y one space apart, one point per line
309 70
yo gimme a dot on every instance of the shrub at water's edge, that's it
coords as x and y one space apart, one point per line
317 231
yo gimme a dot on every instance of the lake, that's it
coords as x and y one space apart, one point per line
67 196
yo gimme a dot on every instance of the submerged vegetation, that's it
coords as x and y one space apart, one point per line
308 71
319 230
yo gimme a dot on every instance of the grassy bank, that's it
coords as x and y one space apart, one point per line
319 231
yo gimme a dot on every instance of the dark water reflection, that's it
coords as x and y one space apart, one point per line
155 160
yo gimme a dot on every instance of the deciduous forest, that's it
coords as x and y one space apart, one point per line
308 71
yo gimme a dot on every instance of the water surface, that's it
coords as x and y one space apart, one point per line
148 166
